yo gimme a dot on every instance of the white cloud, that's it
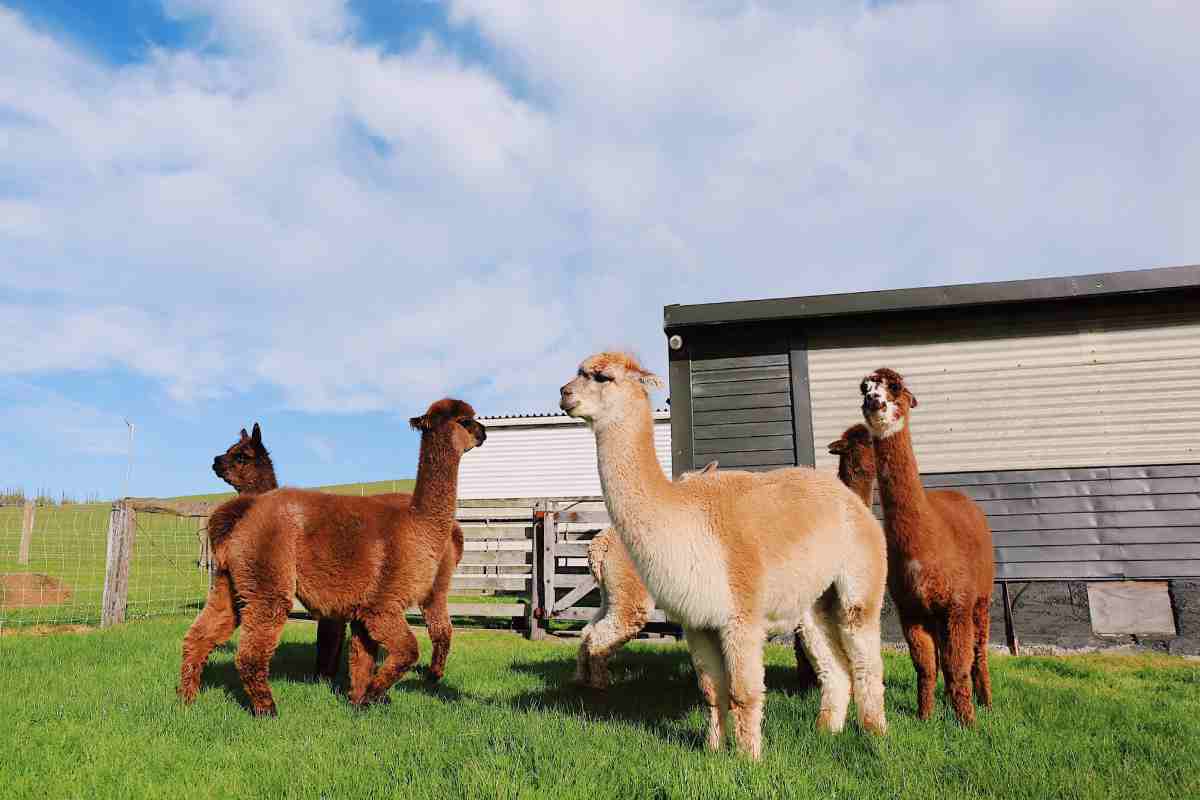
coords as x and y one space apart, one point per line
288 207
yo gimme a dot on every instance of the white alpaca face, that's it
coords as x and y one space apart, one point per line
603 387
885 403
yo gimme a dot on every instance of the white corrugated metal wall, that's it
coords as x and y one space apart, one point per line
1024 390
542 457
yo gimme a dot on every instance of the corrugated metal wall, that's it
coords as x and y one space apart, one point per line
1039 386
741 400
555 458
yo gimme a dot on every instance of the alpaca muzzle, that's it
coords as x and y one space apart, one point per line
872 404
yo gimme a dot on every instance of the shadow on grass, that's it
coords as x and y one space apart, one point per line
294 662
652 690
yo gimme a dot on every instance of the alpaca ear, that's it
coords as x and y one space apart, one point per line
709 467
257 435
650 381
244 434
912 398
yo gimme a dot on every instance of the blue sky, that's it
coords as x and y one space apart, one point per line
322 216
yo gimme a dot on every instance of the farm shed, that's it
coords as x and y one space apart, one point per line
1065 406
549 456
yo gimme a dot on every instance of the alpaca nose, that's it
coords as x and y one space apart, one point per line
871 403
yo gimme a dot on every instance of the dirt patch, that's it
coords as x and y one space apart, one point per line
31 590
45 630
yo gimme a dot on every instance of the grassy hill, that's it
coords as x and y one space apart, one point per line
369 487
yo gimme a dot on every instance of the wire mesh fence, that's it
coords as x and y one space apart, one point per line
54 560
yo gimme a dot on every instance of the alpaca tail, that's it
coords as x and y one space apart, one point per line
222 521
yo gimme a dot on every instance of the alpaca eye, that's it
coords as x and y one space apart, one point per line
862 387
600 377
895 388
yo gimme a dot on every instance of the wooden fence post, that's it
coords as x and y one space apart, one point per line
122 529
1010 630
549 562
533 610
26 533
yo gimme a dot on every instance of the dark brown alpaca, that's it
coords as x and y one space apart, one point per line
356 558
856 469
247 467
940 562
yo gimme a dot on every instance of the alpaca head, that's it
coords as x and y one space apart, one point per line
606 387
856 456
246 465
886 402
452 417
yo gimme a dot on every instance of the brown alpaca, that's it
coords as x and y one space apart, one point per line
247 467
940 563
356 558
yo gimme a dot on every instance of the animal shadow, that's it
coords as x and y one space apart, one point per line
293 662
653 690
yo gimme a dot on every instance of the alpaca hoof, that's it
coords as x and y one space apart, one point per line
875 725
827 724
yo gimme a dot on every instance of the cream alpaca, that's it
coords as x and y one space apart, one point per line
735 555
625 605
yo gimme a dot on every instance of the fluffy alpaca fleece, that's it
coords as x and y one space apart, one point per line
856 469
356 558
247 467
940 562
736 555
625 604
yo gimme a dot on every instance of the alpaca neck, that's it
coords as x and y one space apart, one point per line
900 490
862 485
630 475
436 492
264 483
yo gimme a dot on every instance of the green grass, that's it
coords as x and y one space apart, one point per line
94 715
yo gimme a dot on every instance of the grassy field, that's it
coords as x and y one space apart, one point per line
94 715
69 544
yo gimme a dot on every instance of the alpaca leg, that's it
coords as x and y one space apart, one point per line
958 652
833 671
330 634
363 651
263 623
583 657
391 630
214 624
979 670
436 613
743 650
921 649
705 649
862 644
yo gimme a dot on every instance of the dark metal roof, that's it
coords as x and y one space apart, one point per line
957 296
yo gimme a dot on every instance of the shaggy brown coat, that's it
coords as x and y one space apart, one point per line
344 557
247 467
940 561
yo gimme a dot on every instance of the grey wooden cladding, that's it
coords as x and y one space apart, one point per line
1094 523
740 390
